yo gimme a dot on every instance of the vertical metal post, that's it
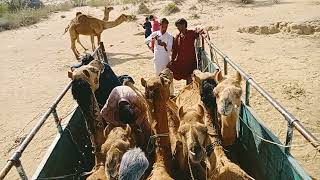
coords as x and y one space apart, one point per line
103 52
225 66
20 170
57 120
247 95
289 138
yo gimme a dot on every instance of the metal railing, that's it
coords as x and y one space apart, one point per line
15 158
293 122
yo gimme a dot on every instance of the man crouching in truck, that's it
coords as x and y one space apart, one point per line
125 107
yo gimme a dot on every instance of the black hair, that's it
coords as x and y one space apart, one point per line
147 18
164 21
126 113
151 17
181 21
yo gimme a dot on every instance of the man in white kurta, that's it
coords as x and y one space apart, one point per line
162 48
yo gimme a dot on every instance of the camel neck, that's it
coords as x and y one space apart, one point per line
111 24
160 115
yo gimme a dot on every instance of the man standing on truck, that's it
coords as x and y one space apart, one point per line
162 48
183 59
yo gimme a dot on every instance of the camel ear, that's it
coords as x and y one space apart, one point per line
238 77
181 113
128 130
107 131
70 75
200 110
86 72
219 76
207 162
143 82
196 75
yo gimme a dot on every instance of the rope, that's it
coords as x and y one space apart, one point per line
271 142
160 135
67 176
191 173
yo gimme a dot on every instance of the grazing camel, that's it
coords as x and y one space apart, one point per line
85 83
107 11
228 96
90 26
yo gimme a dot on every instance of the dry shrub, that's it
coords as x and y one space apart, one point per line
195 16
193 8
247 1
79 3
97 3
29 16
143 9
3 8
171 8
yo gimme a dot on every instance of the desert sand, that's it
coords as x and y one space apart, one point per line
34 62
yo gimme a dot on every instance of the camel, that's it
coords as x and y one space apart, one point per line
157 93
85 83
228 96
193 133
90 26
118 142
201 93
107 11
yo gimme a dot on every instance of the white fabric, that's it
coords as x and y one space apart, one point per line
161 56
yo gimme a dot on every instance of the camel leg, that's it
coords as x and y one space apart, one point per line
73 47
99 38
78 40
92 43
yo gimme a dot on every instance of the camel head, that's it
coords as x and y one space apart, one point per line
89 73
117 143
228 94
193 133
108 9
156 88
124 17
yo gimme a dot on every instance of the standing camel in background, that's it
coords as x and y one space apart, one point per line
90 26
106 16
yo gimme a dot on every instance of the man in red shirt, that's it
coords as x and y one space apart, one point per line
183 60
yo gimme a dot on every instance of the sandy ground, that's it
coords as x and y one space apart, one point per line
35 60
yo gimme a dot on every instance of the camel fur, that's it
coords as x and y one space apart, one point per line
85 82
90 26
228 96
107 11
157 93
118 141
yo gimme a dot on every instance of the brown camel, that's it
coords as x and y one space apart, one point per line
228 96
85 83
118 141
107 11
201 90
90 26
157 93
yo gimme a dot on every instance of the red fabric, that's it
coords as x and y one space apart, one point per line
155 26
184 59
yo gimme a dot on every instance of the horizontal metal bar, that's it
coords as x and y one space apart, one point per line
288 116
17 154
